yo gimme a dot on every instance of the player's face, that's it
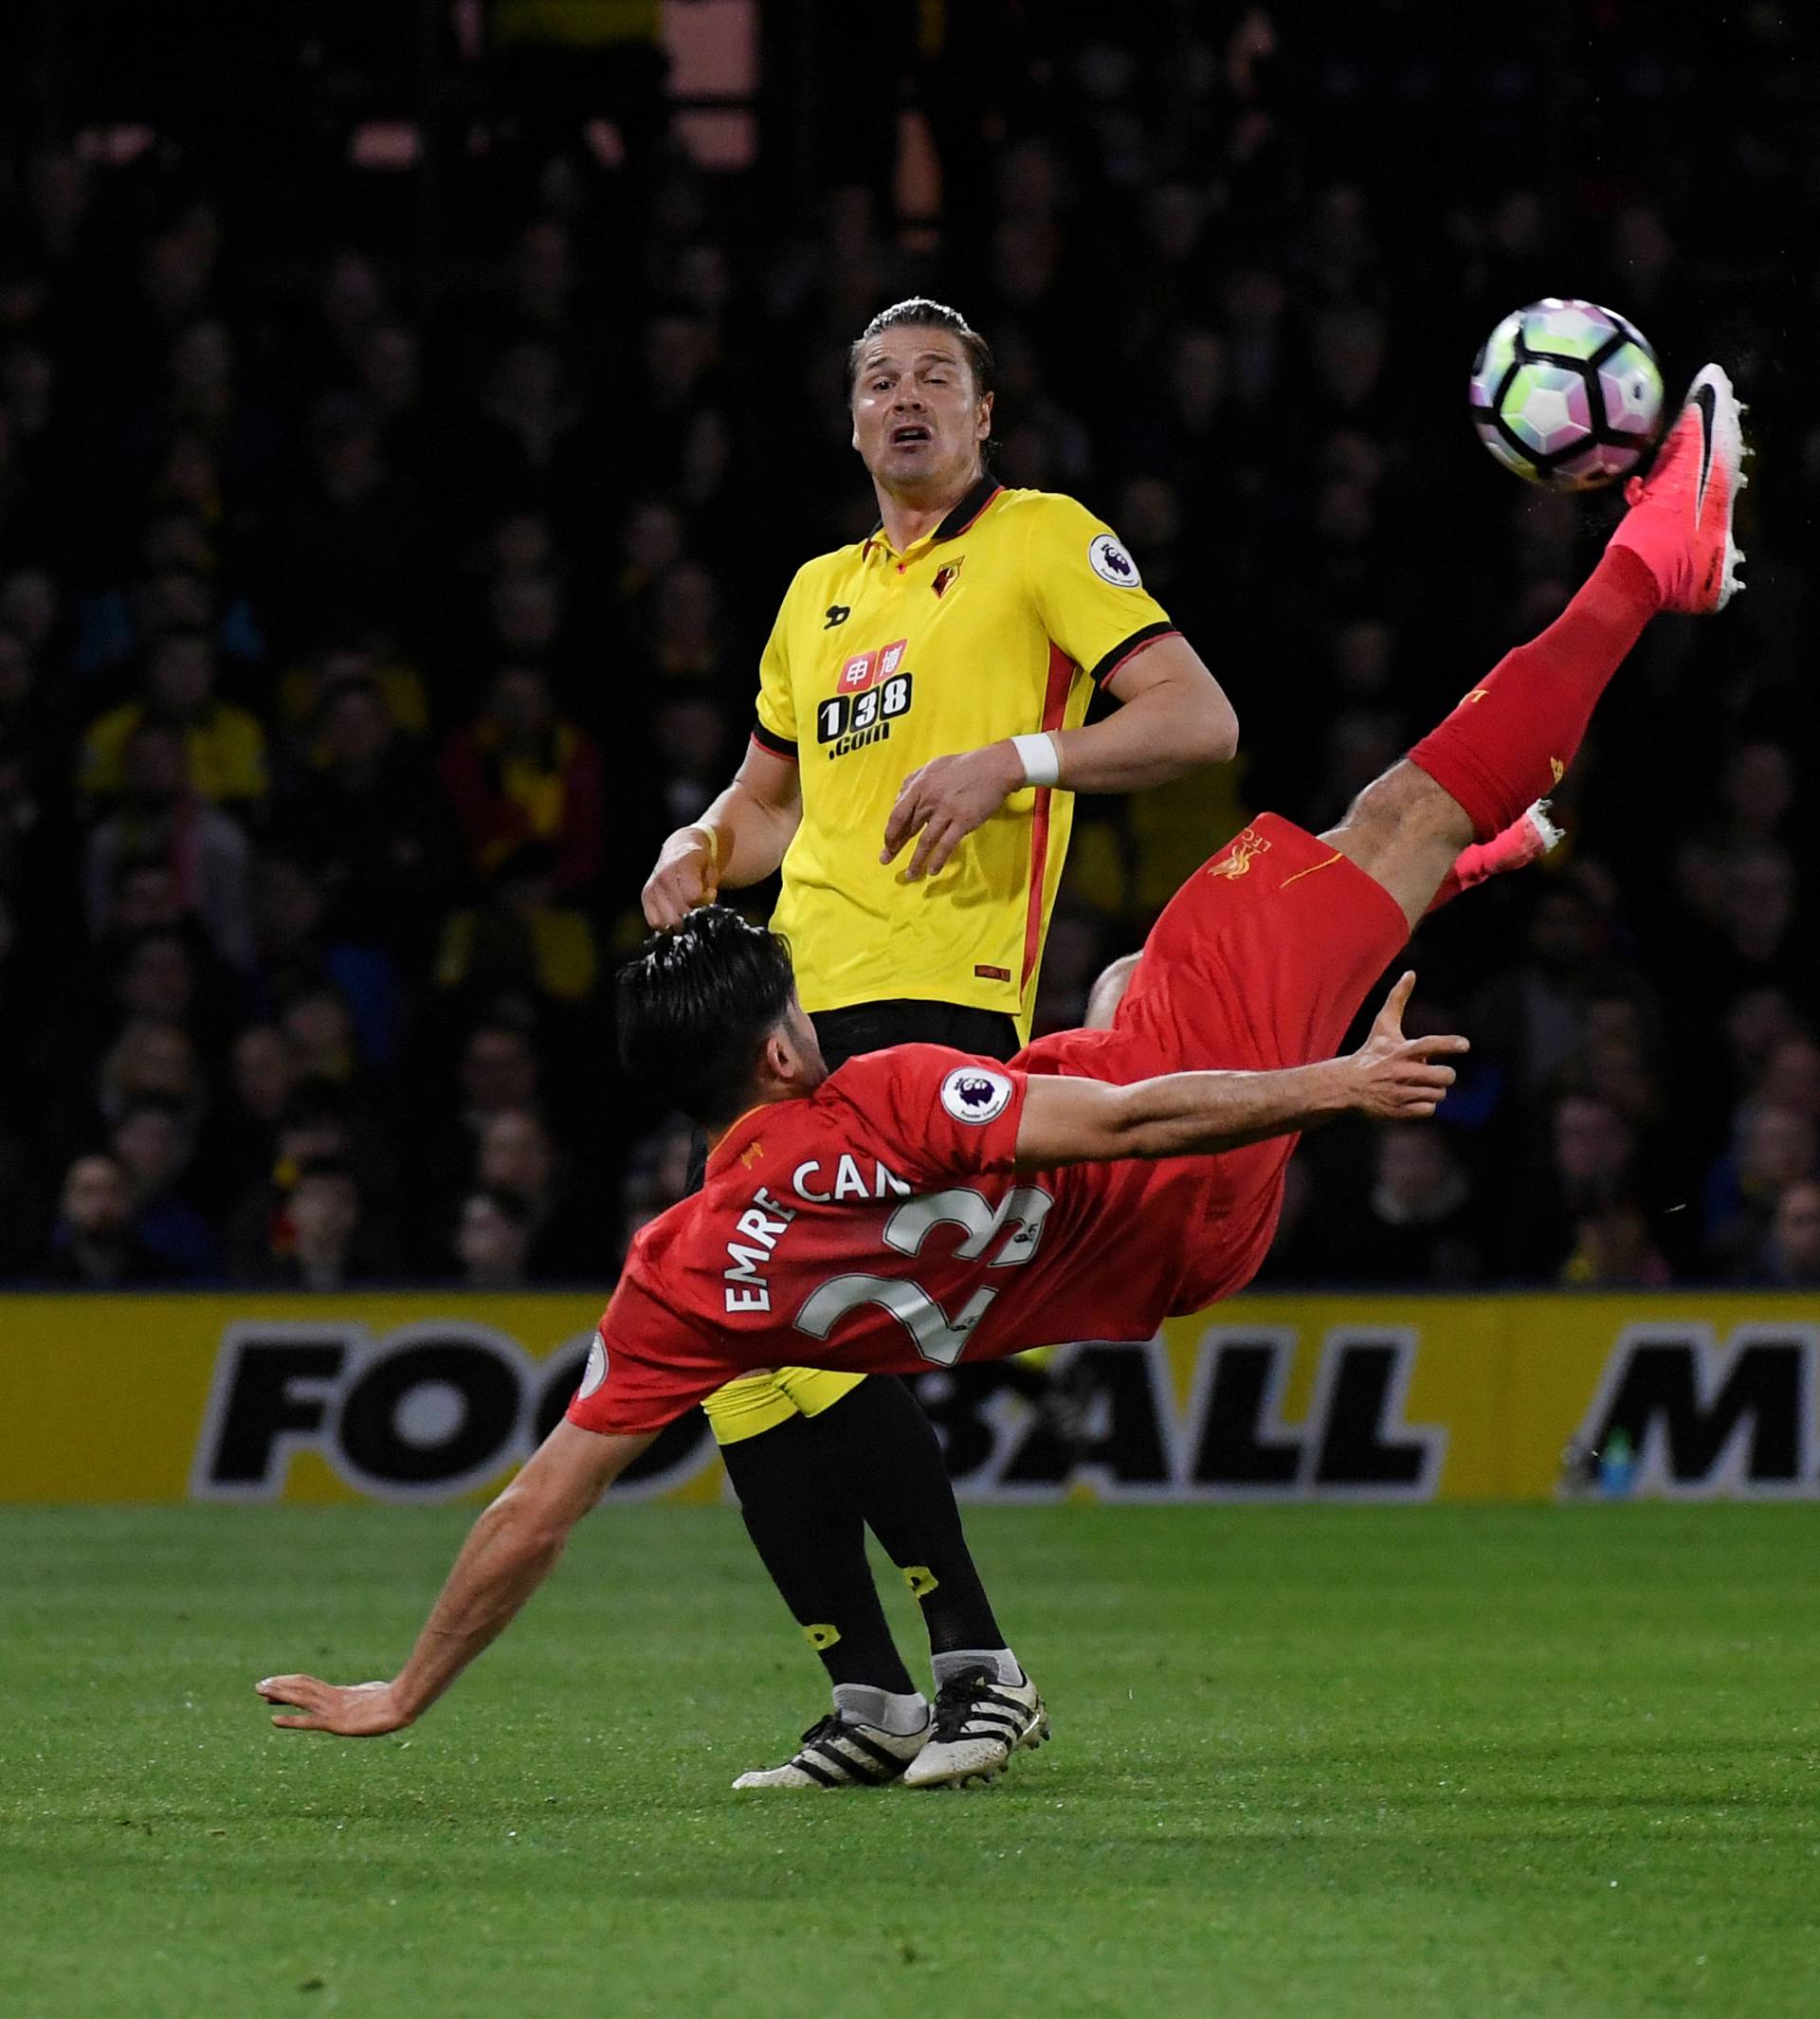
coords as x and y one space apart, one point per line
917 417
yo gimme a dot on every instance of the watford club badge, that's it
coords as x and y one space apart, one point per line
945 578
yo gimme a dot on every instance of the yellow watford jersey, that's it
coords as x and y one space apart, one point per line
997 624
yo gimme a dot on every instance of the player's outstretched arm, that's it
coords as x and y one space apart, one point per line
739 840
509 1552
1390 1078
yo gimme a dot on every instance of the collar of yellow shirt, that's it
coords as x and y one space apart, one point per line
965 512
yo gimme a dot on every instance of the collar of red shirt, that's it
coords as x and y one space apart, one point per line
741 1140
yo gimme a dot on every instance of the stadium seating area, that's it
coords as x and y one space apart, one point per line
373 602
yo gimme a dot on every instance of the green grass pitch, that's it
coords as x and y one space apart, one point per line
1444 1762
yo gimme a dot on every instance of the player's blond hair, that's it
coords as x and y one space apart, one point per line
920 313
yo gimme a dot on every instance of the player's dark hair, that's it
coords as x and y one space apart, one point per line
920 313
695 1004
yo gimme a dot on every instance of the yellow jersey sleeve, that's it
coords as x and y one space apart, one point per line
777 730
1087 586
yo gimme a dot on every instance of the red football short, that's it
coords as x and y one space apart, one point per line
1261 961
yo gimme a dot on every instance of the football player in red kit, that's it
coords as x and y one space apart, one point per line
920 1207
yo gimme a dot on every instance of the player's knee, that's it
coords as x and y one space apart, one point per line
1109 991
1404 804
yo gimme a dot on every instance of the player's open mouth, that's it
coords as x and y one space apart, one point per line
911 431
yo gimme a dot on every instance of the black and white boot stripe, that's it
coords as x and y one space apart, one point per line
848 1750
841 1753
981 1720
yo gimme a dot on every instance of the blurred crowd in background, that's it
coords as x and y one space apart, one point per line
375 598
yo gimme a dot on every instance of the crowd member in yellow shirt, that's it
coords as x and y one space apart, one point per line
226 744
920 739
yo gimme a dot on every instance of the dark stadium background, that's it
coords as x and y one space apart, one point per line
380 368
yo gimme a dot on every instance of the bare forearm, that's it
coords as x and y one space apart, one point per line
1390 1078
508 1553
1153 737
1200 1113
1172 717
750 834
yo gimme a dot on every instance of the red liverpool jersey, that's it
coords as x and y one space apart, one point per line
879 1225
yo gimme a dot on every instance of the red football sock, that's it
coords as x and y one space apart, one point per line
1511 740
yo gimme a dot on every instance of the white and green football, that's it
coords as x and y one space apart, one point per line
1567 394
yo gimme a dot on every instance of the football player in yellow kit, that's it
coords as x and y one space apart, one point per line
920 739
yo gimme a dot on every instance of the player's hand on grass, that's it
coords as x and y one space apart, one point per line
943 803
1399 1079
687 875
358 1710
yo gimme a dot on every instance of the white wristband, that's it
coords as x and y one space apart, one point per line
1040 757
712 837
